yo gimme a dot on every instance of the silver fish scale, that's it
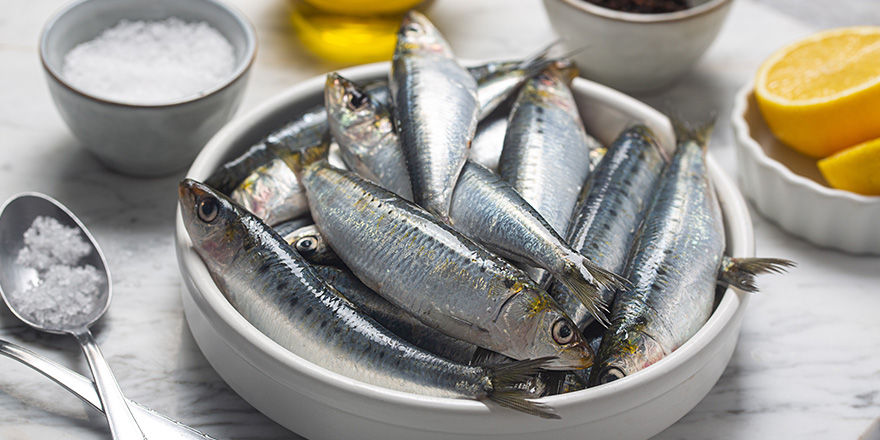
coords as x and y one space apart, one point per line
394 318
676 256
272 193
606 218
435 112
366 137
386 240
276 291
546 149
484 208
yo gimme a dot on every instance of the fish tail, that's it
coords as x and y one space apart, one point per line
299 159
540 59
740 272
511 386
698 132
578 277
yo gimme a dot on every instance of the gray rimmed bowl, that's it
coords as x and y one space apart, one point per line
320 404
635 52
144 139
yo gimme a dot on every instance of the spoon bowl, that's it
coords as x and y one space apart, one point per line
16 217
16 279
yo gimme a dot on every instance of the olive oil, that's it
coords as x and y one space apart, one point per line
350 31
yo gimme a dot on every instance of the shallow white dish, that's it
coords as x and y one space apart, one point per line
787 187
319 404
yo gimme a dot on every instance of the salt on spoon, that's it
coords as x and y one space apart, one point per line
20 272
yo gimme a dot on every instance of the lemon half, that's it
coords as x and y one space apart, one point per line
822 94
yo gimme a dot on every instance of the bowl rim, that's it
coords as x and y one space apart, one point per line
635 17
241 67
729 309
743 134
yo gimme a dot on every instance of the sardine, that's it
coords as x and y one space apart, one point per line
301 129
278 293
394 318
271 191
674 264
435 108
358 117
490 75
428 269
498 81
364 130
484 207
610 209
546 148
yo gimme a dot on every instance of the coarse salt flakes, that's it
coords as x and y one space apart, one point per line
150 62
64 292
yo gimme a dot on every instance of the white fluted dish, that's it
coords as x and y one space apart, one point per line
787 187
319 404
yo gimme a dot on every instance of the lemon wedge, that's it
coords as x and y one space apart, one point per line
822 94
855 169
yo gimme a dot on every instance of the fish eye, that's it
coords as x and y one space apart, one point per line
357 100
562 332
306 245
610 374
208 210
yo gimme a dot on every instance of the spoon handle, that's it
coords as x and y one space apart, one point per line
154 424
122 423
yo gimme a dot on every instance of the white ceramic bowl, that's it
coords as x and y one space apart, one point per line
636 52
787 187
144 140
319 404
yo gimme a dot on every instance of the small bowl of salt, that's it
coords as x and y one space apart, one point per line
144 85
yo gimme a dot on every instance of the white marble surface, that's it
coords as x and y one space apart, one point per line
808 360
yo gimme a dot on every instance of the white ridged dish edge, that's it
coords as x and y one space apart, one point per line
319 404
801 205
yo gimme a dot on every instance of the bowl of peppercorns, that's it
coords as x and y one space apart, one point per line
637 45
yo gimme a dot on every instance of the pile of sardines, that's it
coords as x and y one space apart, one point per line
475 241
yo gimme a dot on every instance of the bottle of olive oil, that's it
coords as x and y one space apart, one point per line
350 31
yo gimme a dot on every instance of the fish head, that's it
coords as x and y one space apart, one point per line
310 244
624 352
539 328
211 220
418 35
358 122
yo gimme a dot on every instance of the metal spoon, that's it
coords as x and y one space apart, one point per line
16 217
154 424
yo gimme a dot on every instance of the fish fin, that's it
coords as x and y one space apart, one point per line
299 159
509 386
579 278
541 57
484 356
698 132
740 272
589 291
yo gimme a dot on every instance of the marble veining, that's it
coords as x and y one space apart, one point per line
807 364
